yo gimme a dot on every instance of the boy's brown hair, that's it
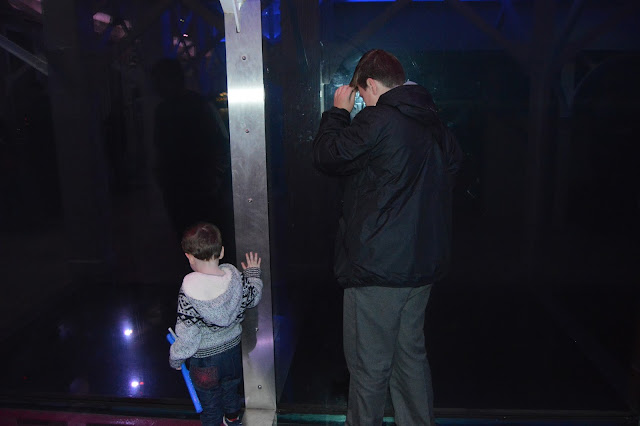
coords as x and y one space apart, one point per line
203 241
379 65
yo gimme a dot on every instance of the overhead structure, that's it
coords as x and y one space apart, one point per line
232 7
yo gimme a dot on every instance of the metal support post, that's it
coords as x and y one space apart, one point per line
245 87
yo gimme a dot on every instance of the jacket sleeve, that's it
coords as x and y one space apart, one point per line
251 287
340 147
187 331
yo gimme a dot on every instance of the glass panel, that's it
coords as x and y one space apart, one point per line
91 224
539 311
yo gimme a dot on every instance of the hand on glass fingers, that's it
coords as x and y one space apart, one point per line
253 260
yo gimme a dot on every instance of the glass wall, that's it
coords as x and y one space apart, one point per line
539 312
105 161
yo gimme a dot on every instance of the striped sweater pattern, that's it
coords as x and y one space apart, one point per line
206 327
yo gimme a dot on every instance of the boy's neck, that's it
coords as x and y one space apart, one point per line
209 267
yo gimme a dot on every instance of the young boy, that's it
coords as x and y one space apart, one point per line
211 306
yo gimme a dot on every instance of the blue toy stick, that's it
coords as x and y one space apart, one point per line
187 378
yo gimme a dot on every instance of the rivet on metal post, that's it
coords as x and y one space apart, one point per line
244 58
250 200
259 386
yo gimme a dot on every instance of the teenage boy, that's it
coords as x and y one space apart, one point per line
398 162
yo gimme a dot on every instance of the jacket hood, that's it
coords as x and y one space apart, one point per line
223 309
412 100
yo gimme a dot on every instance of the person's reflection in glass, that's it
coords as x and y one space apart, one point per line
192 161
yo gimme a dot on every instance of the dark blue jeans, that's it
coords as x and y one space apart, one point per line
217 381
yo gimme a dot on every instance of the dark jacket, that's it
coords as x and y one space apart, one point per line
398 161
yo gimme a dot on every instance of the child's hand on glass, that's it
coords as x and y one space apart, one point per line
252 260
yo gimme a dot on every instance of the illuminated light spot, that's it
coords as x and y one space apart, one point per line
128 332
248 95
141 383
135 384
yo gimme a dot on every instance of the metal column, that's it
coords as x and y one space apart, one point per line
245 87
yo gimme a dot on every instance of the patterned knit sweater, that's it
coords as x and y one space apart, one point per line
210 310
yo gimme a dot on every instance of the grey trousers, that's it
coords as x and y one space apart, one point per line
384 347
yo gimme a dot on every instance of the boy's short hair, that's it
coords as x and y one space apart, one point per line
379 65
203 241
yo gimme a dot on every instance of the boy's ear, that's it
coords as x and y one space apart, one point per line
221 253
190 257
373 85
